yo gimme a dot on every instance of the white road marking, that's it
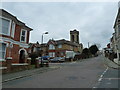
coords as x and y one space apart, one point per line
99 79
101 76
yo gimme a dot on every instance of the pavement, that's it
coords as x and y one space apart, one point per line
110 63
26 73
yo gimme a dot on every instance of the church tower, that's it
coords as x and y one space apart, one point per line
74 36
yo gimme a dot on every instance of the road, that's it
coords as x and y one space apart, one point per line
88 73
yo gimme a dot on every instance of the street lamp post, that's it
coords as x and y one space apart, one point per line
41 47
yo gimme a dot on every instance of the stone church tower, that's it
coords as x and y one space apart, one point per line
74 36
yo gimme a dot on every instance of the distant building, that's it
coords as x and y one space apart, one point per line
58 48
74 36
38 48
14 38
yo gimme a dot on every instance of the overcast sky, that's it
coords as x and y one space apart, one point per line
93 20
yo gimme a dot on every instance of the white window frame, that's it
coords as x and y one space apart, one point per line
25 35
13 29
5 51
8 27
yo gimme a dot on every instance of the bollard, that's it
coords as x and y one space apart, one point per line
71 60
29 62
37 63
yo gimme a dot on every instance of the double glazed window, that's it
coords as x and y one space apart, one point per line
4 26
51 46
23 35
2 51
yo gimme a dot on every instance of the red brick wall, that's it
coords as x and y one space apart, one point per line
17 33
15 53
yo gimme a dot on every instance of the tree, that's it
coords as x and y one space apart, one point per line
33 56
86 53
98 45
93 49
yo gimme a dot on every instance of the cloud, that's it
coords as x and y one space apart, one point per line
93 20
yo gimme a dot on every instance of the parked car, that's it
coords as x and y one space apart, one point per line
46 57
57 59
43 60
62 59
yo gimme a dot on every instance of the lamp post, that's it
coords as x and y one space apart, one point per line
41 47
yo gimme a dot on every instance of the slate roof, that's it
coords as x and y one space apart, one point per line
63 41
6 14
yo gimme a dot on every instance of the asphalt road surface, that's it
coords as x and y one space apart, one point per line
89 73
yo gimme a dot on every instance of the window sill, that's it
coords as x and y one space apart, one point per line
4 34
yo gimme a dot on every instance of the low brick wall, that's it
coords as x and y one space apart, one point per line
8 67
18 67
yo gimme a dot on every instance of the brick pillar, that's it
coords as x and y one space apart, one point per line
29 62
9 63
37 63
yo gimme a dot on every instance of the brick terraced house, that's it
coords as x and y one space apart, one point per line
14 38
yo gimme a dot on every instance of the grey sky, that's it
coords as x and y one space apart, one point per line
93 20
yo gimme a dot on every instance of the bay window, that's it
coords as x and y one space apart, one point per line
4 26
2 51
